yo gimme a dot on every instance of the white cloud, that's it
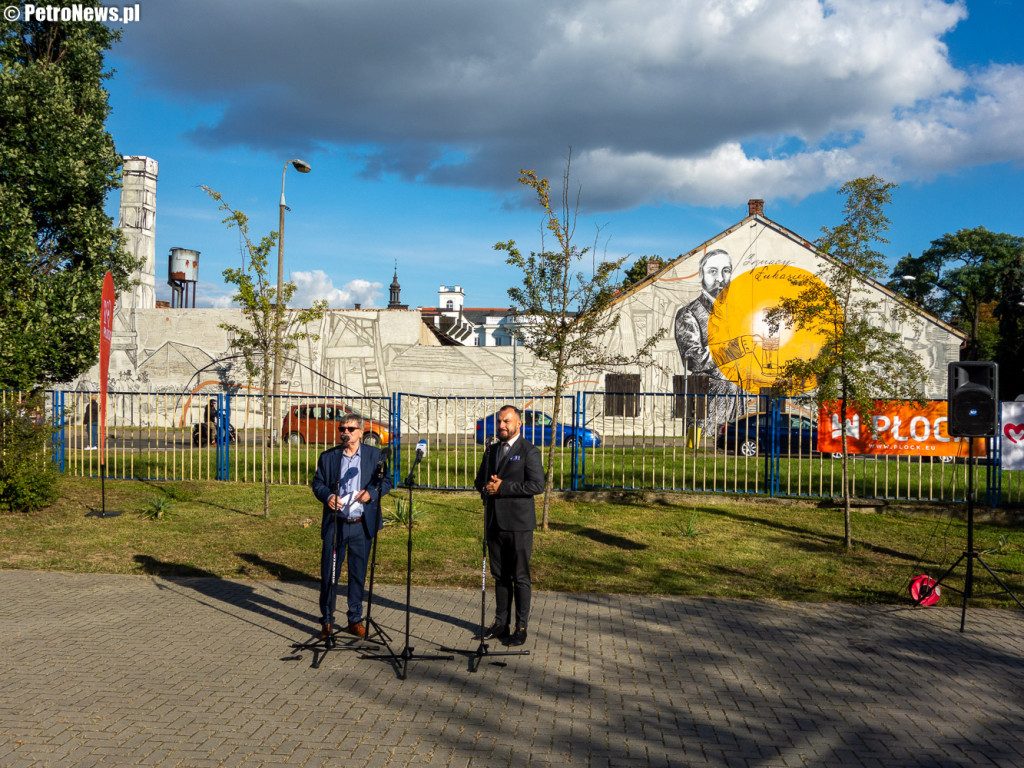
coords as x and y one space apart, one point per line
316 286
688 101
309 287
214 295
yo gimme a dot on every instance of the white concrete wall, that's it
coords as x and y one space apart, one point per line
377 352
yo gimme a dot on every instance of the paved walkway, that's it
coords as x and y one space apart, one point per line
144 671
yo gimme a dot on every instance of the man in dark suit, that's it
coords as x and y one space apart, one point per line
510 475
345 484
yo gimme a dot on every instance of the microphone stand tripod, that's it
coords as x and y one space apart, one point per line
320 646
373 629
483 649
407 651
970 554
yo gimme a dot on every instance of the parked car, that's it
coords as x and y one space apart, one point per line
750 435
318 423
540 429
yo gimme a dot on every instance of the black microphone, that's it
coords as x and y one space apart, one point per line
490 461
421 451
382 464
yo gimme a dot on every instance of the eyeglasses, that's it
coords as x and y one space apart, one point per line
350 429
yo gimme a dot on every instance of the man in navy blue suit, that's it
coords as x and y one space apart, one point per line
346 485
510 475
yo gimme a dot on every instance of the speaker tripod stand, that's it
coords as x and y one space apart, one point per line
970 554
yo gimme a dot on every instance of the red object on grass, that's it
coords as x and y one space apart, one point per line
925 590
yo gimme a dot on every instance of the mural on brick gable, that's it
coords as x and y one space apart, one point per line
713 304
723 335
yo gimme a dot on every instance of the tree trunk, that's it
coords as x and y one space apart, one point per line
549 474
848 534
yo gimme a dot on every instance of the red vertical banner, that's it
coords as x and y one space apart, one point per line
106 332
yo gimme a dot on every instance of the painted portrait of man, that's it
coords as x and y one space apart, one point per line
691 332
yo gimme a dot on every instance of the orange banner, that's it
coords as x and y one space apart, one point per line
900 429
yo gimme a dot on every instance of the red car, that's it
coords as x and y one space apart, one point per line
318 423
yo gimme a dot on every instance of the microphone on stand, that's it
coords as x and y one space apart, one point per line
493 441
382 463
421 451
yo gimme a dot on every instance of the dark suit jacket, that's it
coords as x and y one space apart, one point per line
522 477
325 483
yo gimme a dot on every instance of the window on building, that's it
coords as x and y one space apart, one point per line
691 396
449 304
621 396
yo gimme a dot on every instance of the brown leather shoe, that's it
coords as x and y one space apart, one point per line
356 629
325 631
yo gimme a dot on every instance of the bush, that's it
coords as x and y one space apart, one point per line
29 479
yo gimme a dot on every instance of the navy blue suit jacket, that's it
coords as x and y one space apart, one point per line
325 484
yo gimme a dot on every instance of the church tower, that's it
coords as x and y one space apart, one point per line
396 299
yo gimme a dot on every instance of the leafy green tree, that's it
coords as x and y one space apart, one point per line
640 270
1010 346
271 330
860 363
29 479
960 278
57 164
563 313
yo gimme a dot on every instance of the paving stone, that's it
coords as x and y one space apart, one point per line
194 672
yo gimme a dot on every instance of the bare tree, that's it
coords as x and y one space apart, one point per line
565 311
271 329
859 364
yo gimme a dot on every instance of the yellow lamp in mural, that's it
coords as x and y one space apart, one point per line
745 349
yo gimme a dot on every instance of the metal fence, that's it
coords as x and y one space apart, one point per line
642 441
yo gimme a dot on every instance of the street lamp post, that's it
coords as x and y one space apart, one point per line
515 388
302 167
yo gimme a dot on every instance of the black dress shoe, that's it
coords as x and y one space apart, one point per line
496 630
519 637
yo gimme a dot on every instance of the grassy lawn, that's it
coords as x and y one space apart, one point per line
669 467
700 545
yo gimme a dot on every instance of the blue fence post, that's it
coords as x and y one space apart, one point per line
220 436
395 428
994 471
772 471
578 419
57 421
223 435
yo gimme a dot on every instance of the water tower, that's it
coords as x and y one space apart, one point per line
182 271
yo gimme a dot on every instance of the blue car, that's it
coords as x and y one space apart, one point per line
750 435
540 429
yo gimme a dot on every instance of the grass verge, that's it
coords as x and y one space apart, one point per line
698 545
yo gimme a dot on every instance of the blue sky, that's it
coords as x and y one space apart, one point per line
417 116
